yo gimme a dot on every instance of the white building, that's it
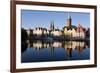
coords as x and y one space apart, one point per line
56 32
28 31
40 31
37 31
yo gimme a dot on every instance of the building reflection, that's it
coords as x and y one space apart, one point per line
68 46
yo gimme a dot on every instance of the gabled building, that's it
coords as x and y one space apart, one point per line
40 31
80 31
56 32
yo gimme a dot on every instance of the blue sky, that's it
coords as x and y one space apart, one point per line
33 19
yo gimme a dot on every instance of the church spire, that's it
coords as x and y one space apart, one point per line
69 20
69 15
52 25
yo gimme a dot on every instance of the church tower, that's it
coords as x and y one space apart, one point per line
69 20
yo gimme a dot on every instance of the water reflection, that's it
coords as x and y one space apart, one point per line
40 51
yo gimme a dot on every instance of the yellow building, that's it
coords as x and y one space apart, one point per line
69 29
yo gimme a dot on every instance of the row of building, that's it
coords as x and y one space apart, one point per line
68 30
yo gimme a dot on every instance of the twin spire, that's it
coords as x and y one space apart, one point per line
69 22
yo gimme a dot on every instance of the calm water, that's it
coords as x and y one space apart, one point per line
41 51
